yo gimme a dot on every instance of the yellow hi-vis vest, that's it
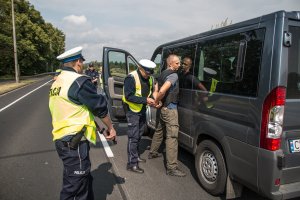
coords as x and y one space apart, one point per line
69 118
135 107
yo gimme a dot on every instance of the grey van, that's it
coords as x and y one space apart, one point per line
245 127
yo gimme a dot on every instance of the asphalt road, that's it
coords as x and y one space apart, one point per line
30 168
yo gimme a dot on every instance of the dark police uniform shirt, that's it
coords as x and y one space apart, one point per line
84 92
92 73
129 91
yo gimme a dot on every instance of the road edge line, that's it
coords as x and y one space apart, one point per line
15 101
121 187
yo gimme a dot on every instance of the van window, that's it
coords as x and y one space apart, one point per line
157 61
131 65
217 61
293 83
117 64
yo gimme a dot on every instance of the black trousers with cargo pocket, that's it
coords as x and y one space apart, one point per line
136 127
77 180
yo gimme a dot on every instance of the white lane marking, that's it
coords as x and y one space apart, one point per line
23 97
106 147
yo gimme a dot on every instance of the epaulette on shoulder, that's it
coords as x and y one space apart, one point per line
80 80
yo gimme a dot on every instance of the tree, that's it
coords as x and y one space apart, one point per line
6 40
38 42
222 24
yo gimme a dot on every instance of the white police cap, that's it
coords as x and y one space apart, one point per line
70 55
147 65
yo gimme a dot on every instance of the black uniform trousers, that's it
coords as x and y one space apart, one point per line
77 180
136 124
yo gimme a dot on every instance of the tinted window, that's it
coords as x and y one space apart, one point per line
131 65
157 61
217 63
293 84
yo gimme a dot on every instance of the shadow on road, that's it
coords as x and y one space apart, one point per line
104 181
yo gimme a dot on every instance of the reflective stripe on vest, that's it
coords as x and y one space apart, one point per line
69 118
135 107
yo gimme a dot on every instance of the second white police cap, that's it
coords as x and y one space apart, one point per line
147 65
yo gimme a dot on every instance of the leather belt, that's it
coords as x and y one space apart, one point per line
66 144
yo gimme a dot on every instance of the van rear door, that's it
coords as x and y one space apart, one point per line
290 144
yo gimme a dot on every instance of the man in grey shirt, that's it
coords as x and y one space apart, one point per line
168 117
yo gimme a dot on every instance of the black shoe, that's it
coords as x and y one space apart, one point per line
154 155
135 169
176 172
141 160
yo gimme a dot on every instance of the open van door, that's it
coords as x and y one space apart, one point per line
117 63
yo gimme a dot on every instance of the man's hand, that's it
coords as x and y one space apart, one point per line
150 101
111 134
94 80
158 105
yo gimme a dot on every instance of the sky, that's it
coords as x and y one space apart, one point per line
140 26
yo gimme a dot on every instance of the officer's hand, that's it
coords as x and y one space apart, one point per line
150 101
111 134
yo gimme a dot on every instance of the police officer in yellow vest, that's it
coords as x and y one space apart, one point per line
137 94
73 103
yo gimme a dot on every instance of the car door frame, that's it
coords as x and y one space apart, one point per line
113 85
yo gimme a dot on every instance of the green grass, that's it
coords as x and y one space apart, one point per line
10 84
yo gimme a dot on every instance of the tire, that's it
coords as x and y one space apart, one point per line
211 168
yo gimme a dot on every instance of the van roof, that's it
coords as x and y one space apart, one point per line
279 14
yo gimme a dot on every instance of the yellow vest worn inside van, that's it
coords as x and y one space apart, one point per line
69 118
213 86
135 107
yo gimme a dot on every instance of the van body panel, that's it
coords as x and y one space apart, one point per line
268 171
237 165
228 112
185 119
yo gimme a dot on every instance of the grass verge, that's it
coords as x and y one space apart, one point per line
10 85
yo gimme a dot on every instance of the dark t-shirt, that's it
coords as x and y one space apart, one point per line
188 81
92 73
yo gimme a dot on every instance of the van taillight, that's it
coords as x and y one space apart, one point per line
272 119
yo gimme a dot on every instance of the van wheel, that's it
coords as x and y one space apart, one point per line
210 167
